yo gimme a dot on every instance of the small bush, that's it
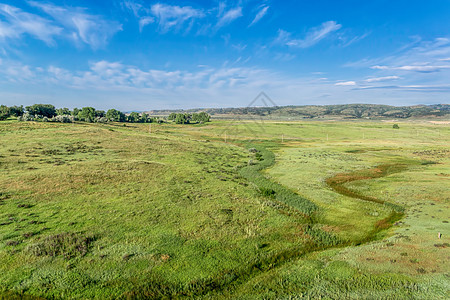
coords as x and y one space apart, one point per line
64 119
26 117
12 243
101 120
395 126
68 245
267 192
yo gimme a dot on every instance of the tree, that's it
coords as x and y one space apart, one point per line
201 117
75 112
4 112
395 126
181 119
145 118
100 113
172 116
63 111
87 114
134 117
115 115
16 111
45 110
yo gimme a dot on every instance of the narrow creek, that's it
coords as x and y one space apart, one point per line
323 240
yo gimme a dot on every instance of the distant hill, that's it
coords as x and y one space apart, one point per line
345 111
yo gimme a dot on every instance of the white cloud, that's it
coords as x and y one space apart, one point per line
412 65
425 69
239 47
284 57
173 17
132 6
262 12
315 35
144 21
19 22
345 83
410 88
347 42
380 67
184 18
385 78
282 37
106 84
81 26
229 16
418 55
415 68
7 31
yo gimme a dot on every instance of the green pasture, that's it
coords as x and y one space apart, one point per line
231 209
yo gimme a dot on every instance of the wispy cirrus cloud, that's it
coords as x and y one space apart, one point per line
183 18
17 23
419 55
409 88
349 41
345 83
415 68
92 30
417 62
173 17
261 13
142 13
315 35
363 83
380 79
312 37
144 21
228 17
134 7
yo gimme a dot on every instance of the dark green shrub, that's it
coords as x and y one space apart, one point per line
259 156
267 192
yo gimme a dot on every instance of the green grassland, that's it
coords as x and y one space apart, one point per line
112 211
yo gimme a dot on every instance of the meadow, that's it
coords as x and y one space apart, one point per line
229 209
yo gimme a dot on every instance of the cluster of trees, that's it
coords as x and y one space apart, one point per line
12 111
135 117
49 113
186 118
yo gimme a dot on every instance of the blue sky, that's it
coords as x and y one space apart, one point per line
142 54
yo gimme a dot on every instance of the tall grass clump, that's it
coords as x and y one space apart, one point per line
68 245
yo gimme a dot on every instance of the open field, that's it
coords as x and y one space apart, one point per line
316 209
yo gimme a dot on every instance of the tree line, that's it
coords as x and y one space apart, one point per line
49 113
346 111
186 118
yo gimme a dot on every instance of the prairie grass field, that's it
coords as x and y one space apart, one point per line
225 210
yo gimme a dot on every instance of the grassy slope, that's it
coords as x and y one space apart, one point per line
168 214
315 151
152 239
410 264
